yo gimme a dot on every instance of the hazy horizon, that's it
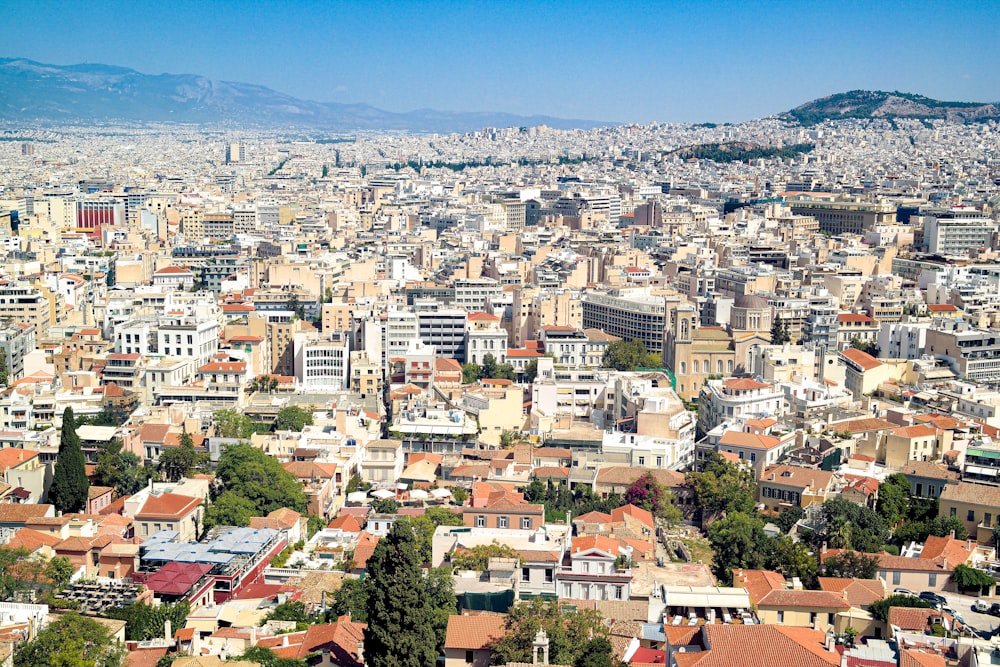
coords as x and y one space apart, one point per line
636 62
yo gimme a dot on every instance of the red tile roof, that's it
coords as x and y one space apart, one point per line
474 633
866 361
167 506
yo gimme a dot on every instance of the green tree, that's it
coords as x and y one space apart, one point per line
459 495
738 541
230 509
471 372
647 493
59 570
293 418
296 307
400 629
425 525
478 557
792 559
880 610
144 622
851 565
259 478
178 462
723 486
71 640
4 370
387 506
350 599
893 499
851 526
596 653
788 518
122 470
866 346
491 370
294 611
570 632
626 355
970 579
779 331
68 491
439 595
531 371
918 531
265 657
232 424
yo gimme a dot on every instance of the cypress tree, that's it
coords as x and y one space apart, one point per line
400 620
69 480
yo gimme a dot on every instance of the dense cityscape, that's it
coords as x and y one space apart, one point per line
643 394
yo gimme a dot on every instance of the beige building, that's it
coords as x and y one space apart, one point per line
977 505
498 406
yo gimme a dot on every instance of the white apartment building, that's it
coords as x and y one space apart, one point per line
321 365
902 340
188 336
743 398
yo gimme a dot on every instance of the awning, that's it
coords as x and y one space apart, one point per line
729 600
357 497
980 470
383 494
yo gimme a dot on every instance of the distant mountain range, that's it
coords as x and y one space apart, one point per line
36 92
881 104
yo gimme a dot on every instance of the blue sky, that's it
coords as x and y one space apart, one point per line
613 61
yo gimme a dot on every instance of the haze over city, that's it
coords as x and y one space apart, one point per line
605 61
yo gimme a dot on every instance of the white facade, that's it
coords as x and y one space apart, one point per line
321 364
901 340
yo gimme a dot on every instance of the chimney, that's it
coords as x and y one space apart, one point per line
196 642
953 534
944 563
830 641
968 544
361 652
167 631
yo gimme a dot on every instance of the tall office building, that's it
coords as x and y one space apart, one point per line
235 152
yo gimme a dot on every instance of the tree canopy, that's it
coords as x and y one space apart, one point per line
478 557
232 424
68 491
120 469
851 565
647 493
779 331
293 418
880 610
629 355
401 630
71 640
723 486
182 460
143 621
488 370
570 633
258 478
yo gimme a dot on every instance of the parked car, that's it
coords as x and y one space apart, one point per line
994 609
933 598
904 591
981 606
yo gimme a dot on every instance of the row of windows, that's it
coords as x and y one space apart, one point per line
503 522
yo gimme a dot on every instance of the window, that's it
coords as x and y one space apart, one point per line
480 521
525 523
549 575
781 616
932 579
659 461
468 657
642 460
503 522
619 591
987 520
895 578
952 512
525 574
971 516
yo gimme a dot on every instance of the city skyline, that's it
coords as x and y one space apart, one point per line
685 62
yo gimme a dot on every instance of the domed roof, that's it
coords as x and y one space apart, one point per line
750 302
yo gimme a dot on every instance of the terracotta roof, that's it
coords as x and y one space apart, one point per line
341 639
797 476
643 516
863 425
866 361
975 494
911 657
16 513
854 317
474 633
761 646
929 470
918 431
346 523
743 439
11 457
483 317
167 506
744 384
942 308
598 542
224 367
31 540
550 472
626 475
172 270
947 549
911 618
593 518
154 432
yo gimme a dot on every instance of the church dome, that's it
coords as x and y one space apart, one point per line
750 302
